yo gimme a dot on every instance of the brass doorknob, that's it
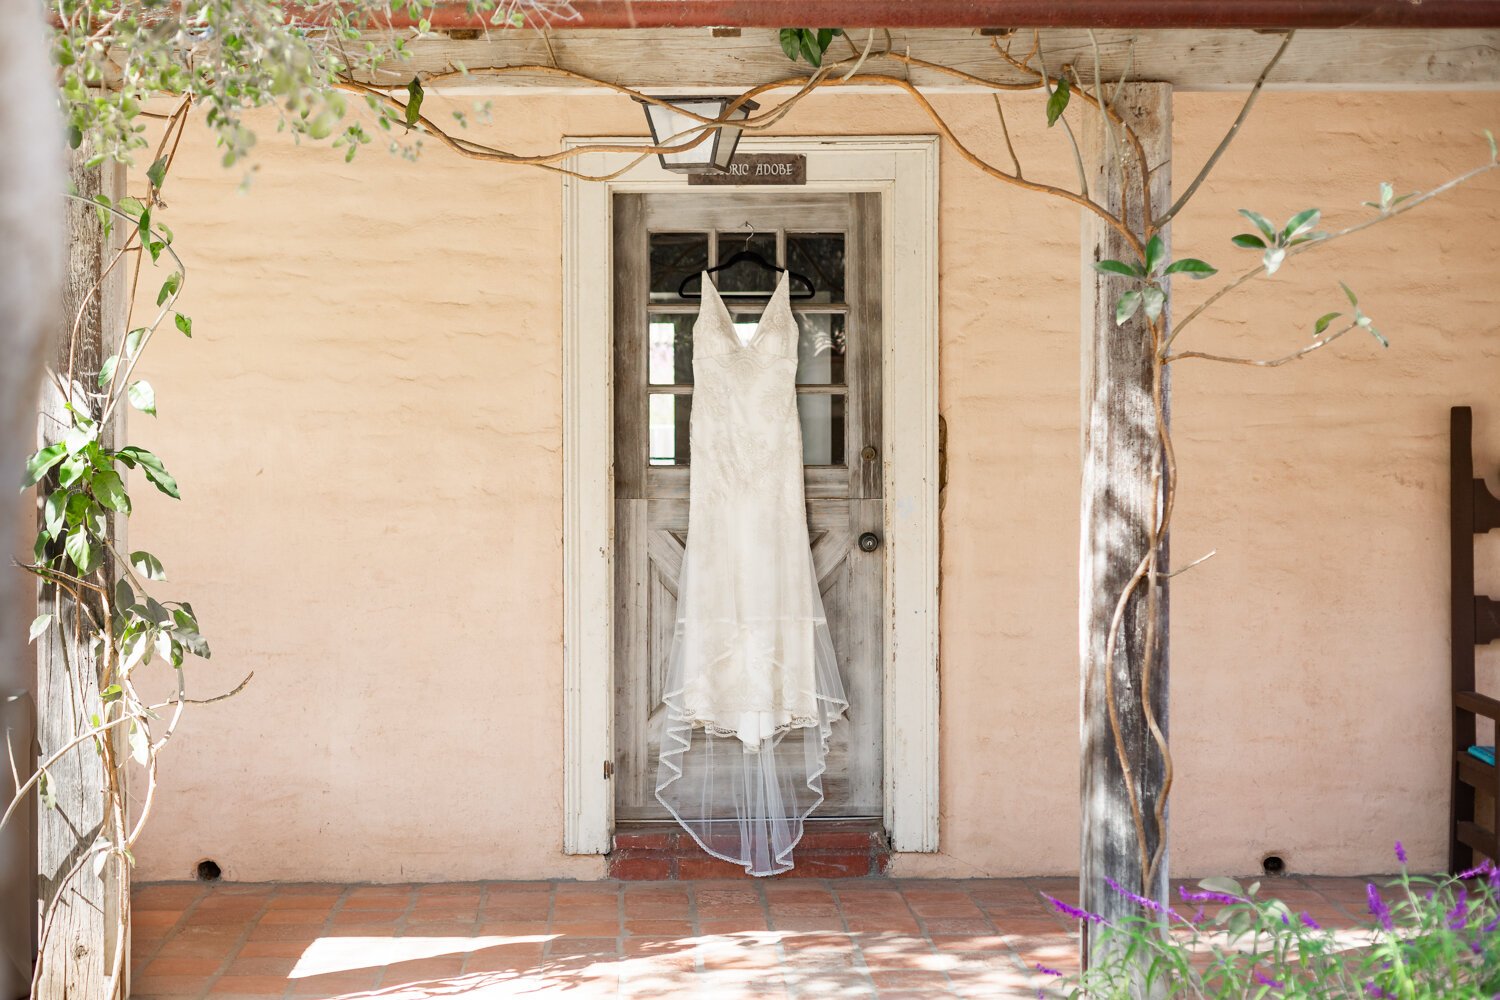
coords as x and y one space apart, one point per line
869 453
869 541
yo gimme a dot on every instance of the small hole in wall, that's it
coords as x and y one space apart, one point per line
208 870
1272 864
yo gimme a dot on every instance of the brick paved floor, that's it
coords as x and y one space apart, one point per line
850 938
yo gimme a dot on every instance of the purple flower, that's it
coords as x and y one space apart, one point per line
1265 980
1046 971
1485 867
1198 915
1377 993
1492 926
1378 907
1141 901
1207 897
1308 921
1458 917
1073 911
1400 853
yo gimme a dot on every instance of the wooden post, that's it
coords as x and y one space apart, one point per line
31 244
1120 499
81 941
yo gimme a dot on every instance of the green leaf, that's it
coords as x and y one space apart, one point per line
810 50
111 693
1353 301
1494 151
140 745
1379 337
1324 320
1272 258
1057 103
790 43
1155 300
1118 267
1261 222
1155 251
82 550
157 172
1225 885
80 437
162 480
414 97
1301 223
75 137
38 626
54 511
147 565
1126 306
110 490
38 465
169 287
133 341
1248 241
143 226
45 791
142 396
825 38
185 324
107 370
71 470
1191 266
132 207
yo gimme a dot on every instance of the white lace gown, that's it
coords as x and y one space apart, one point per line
752 686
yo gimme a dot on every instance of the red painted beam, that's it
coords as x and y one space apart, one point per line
1012 14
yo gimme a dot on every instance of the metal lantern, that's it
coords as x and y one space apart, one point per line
670 127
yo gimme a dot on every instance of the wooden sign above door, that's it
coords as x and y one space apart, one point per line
758 169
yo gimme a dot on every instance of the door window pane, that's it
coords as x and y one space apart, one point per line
667 417
820 258
675 256
821 348
822 416
669 346
746 276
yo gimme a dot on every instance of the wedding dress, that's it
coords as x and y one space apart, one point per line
752 687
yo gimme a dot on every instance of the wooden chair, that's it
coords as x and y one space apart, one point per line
1476 621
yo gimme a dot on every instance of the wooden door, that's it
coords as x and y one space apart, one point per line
834 239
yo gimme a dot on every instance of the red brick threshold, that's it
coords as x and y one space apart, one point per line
829 849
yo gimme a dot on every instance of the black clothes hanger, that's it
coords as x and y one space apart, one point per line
746 255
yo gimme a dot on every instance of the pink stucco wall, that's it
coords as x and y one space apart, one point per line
367 427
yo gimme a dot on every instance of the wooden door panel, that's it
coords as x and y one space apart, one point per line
843 502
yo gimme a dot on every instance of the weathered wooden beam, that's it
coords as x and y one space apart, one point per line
80 944
992 13
30 266
1204 59
1120 502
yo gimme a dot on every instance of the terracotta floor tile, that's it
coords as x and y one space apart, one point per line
248 984
658 928
181 967
332 984
261 965
168 986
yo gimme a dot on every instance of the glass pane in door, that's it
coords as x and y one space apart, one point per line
674 257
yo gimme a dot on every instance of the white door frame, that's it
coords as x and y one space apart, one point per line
904 170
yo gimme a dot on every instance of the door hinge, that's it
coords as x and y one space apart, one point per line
609 769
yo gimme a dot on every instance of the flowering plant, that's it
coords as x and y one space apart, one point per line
1425 938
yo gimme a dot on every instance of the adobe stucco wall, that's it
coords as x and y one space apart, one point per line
367 429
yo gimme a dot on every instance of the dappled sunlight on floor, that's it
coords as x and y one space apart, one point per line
725 940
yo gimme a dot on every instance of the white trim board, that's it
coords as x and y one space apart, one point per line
904 170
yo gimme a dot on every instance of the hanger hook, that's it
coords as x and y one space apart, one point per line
750 234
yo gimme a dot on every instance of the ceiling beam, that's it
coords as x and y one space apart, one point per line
1011 13
1217 59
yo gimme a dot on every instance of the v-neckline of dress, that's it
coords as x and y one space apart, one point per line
760 324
